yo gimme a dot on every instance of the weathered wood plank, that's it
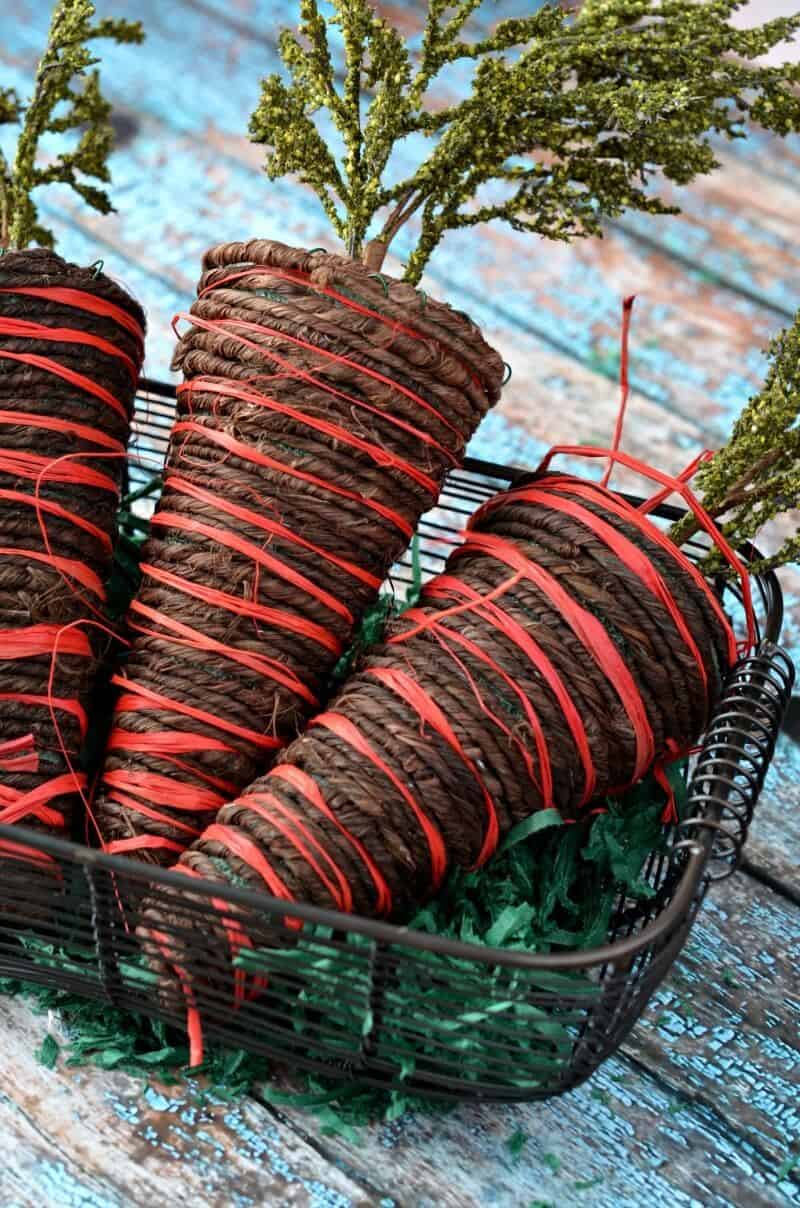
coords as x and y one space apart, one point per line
725 1029
36 1170
621 1140
93 1139
774 841
719 1114
735 231
737 223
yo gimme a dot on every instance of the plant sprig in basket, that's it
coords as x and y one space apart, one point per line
568 117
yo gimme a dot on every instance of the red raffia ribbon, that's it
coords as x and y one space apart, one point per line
231 328
247 453
549 490
627 312
68 375
308 788
19 755
679 486
77 299
629 554
24 329
127 788
349 733
382 457
401 683
544 781
274 529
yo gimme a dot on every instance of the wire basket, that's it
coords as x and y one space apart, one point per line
353 998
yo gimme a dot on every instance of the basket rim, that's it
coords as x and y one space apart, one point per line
383 933
696 851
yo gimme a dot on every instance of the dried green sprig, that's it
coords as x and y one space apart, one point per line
755 477
66 97
568 117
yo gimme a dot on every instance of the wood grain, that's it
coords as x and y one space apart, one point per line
73 1132
701 1103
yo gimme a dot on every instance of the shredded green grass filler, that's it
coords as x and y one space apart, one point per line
551 887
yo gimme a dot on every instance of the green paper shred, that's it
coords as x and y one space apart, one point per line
47 1054
516 1142
541 820
553 887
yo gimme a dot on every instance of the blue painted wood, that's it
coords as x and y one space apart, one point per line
718 1123
699 1109
83 1138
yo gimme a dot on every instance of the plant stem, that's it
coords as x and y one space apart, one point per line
375 251
686 528
33 125
405 207
374 254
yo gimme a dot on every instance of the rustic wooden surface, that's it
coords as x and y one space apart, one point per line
701 1106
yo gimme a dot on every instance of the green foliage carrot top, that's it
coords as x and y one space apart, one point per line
567 118
66 98
755 477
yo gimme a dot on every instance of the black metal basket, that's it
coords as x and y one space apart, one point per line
355 998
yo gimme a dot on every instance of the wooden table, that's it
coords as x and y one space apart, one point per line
701 1105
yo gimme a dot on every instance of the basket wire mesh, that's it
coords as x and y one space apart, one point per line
352 997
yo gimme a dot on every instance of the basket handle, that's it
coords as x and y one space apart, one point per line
735 756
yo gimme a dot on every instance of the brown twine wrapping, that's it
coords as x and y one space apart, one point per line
391 369
278 831
34 593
